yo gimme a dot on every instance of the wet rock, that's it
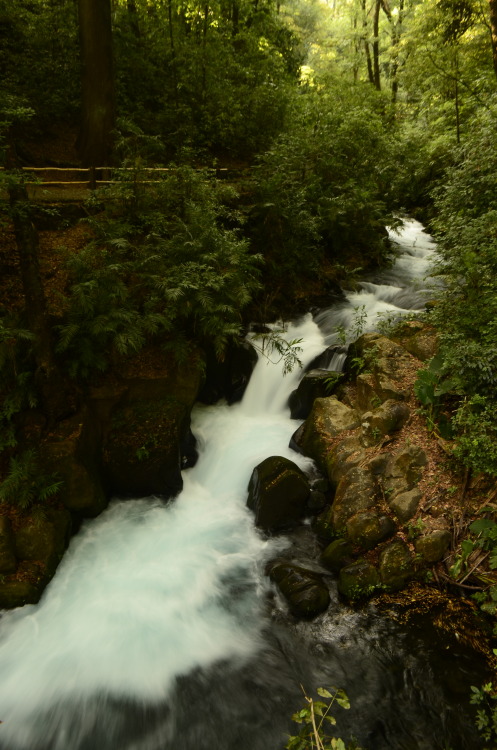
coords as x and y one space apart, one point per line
44 539
396 565
356 491
278 493
315 384
381 358
366 529
8 560
18 593
433 546
306 593
405 504
316 500
390 417
325 359
337 555
358 580
73 452
328 418
228 378
142 454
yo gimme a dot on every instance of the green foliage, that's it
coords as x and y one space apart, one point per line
315 720
486 716
430 388
16 389
163 262
466 312
26 484
276 348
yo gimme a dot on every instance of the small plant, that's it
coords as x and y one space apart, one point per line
315 717
415 529
486 715
277 349
25 483
430 387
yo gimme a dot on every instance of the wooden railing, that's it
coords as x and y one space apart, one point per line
70 183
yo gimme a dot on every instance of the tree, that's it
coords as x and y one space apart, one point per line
97 82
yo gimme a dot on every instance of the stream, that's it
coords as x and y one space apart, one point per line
160 630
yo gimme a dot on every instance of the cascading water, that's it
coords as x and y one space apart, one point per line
157 631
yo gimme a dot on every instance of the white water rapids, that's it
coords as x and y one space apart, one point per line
148 593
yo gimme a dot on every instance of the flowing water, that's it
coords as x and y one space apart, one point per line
160 630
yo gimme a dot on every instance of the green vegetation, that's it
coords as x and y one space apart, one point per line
315 720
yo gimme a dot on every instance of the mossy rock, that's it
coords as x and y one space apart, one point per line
433 546
73 453
337 555
328 418
355 492
405 504
306 593
367 528
44 539
396 565
358 580
388 418
278 493
18 593
8 559
315 384
142 454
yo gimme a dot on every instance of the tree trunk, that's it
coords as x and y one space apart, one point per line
366 43
493 30
376 45
97 82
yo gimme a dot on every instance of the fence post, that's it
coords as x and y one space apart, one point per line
93 178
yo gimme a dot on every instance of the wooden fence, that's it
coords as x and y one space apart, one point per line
72 183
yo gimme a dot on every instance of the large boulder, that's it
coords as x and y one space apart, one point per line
433 546
396 565
358 580
44 540
306 593
142 454
405 504
72 451
18 593
404 470
356 491
381 360
337 555
228 378
328 419
418 338
278 493
388 418
368 528
8 559
315 384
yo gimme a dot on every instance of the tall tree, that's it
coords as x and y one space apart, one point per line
493 31
97 82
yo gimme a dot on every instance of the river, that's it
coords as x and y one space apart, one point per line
160 630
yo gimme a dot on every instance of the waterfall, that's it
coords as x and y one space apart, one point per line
156 620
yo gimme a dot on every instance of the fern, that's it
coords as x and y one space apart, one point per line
25 484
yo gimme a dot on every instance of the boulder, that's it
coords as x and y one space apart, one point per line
8 560
306 593
405 504
358 580
337 555
278 493
368 528
143 447
380 357
73 452
404 470
315 384
344 455
355 492
418 338
396 565
18 593
44 540
388 418
328 418
433 546
228 378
